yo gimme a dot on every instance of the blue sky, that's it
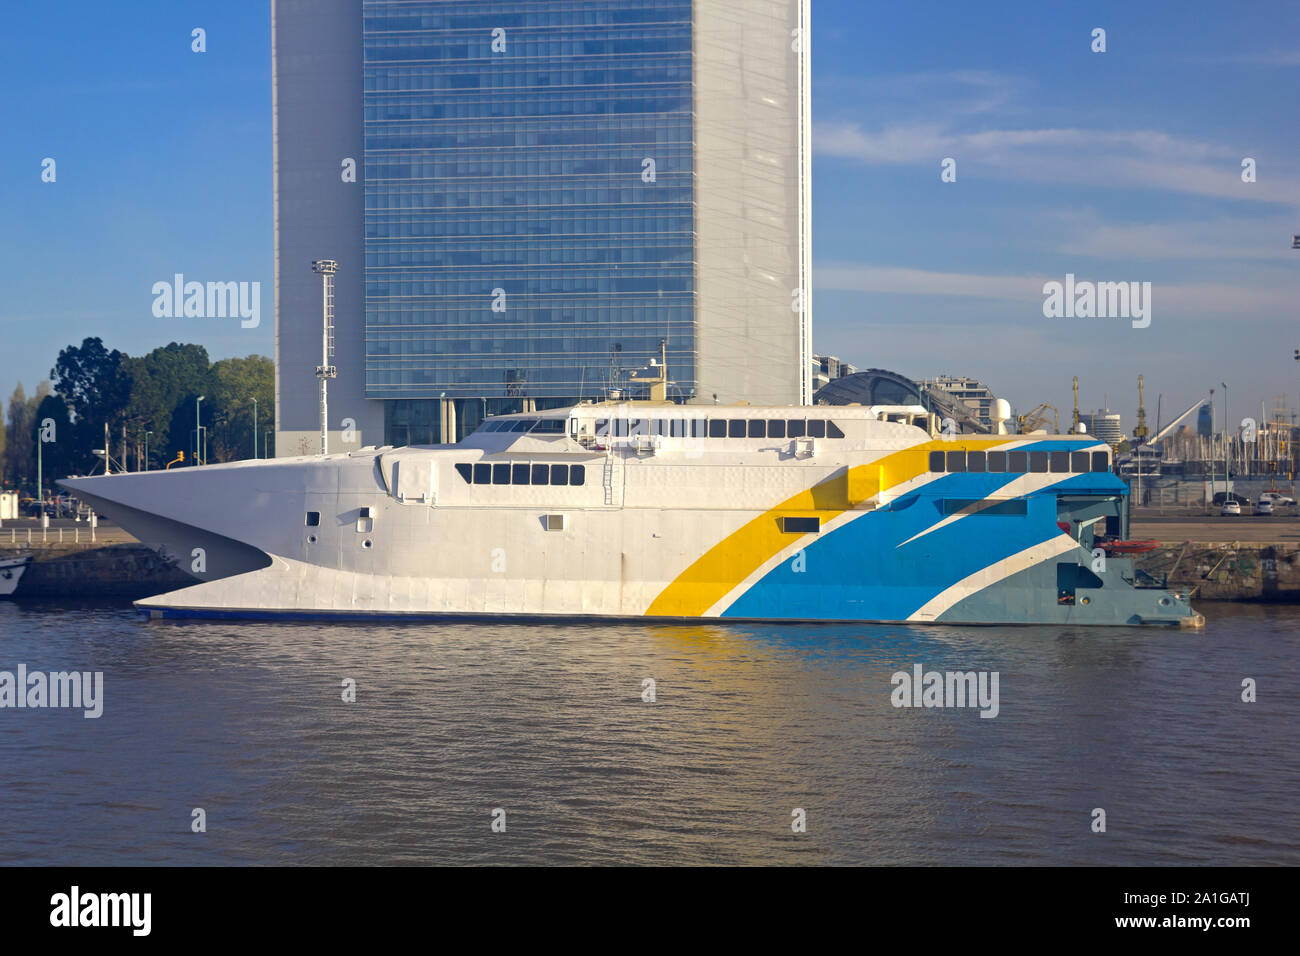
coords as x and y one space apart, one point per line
1123 165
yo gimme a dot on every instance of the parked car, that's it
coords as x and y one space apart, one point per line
1220 497
1276 498
1263 507
1230 508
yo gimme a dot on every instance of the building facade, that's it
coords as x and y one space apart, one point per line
544 193
972 393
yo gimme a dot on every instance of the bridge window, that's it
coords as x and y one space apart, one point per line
1060 461
482 474
578 475
796 428
956 461
541 474
1100 461
1017 461
833 430
501 474
465 470
550 426
997 461
518 474
313 519
559 474
1079 461
1038 462
936 462
757 428
816 428
717 428
776 428
975 461
736 428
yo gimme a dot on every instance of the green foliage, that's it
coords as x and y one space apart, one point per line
153 394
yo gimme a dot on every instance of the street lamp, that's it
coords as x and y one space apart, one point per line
1227 487
146 450
254 428
197 426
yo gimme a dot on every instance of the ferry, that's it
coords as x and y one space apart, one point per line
656 510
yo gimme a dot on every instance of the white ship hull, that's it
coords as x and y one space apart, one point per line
667 523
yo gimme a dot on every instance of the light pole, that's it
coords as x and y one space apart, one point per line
266 442
254 428
326 269
146 450
197 426
1227 487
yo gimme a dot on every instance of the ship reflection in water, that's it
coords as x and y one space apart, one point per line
551 723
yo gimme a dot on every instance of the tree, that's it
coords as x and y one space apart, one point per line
232 386
89 379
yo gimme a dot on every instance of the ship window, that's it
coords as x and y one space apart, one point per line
540 473
800 525
620 428
1038 461
465 470
816 428
717 428
578 475
559 474
636 426
1016 507
997 461
833 430
482 474
313 519
736 428
518 474
795 428
550 426
936 461
524 424
1079 461
1060 461
699 428
1017 461
501 474
1100 461
956 461
602 427
776 428
757 428
975 461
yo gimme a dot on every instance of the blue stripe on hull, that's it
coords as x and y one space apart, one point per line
859 572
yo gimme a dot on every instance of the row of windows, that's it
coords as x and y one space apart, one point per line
522 474
515 255
719 427
1019 461
525 77
538 426
537 281
471 194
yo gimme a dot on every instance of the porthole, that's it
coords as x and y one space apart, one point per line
366 543
1086 600
311 539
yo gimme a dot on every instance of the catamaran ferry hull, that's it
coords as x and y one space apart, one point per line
863 521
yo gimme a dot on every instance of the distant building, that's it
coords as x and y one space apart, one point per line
827 368
972 393
1205 421
1105 425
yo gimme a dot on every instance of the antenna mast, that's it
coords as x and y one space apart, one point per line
326 268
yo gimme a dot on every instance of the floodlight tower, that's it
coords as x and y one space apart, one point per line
326 268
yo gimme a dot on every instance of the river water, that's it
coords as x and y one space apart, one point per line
454 720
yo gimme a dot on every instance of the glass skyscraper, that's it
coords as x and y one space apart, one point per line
552 188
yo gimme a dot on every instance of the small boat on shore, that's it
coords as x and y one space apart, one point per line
11 571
